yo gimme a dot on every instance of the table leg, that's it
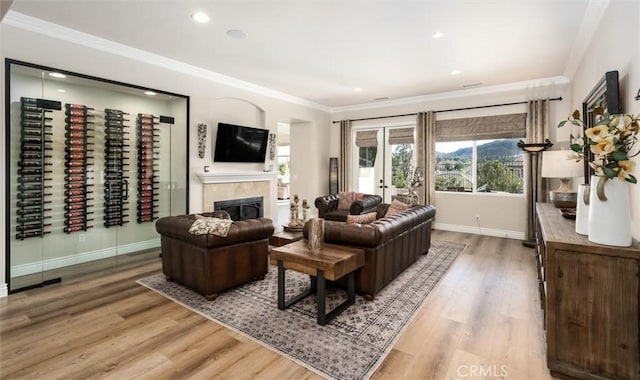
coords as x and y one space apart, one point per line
281 285
321 294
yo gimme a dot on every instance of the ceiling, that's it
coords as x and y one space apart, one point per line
322 50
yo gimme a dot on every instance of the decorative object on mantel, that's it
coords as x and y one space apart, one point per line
305 211
295 224
563 165
316 234
202 139
608 147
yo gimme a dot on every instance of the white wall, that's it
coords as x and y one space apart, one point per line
616 46
500 215
39 49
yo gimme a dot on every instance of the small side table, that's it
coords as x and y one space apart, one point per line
285 237
332 262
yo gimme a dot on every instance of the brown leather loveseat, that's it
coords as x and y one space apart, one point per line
211 264
328 206
391 244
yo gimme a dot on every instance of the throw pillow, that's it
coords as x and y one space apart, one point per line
395 207
213 226
362 218
344 200
358 196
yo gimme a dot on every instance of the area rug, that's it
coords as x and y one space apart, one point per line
351 346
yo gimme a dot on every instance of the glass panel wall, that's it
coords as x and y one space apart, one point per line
91 165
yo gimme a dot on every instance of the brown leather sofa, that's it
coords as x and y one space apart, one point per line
211 264
391 244
328 207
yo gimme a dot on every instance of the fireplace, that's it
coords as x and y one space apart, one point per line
242 209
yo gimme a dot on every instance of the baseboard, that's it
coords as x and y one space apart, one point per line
4 290
84 257
477 230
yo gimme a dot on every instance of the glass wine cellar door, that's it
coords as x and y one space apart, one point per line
91 164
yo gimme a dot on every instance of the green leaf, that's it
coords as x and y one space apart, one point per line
562 123
576 148
632 179
619 156
609 172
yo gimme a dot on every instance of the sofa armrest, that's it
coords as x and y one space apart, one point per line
368 203
326 204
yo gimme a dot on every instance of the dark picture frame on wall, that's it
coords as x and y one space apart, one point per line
606 94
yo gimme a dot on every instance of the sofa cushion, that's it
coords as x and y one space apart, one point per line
362 218
345 199
395 207
213 226
357 196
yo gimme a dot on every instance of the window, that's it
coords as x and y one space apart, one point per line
489 166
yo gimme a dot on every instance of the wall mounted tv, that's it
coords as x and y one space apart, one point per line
235 143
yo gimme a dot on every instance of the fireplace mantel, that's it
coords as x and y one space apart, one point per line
231 177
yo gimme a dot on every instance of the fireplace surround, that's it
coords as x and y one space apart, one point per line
243 208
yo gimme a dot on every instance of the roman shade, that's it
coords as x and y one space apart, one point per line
366 138
482 128
400 136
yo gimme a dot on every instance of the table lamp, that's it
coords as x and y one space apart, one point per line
557 164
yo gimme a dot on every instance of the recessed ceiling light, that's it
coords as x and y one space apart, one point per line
456 72
237 34
357 89
437 35
200 17
57 75
149 93
61 90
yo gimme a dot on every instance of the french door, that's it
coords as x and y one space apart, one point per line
383 161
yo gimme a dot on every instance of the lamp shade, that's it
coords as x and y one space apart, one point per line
556 164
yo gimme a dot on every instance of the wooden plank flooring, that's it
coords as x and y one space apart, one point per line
482 320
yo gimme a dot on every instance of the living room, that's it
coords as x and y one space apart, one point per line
314 137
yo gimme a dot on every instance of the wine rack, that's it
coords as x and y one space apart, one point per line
148 184
116 184
78 155
33 167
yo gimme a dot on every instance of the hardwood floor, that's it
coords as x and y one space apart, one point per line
482 320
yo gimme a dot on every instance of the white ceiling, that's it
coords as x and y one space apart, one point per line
321 50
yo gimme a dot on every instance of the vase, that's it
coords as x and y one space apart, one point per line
609 214
582 209
316 234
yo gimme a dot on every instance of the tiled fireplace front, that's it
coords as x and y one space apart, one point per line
229 186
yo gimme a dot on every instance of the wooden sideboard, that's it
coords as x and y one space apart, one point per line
590 294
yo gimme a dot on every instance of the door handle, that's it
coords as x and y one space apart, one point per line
126 189
107 190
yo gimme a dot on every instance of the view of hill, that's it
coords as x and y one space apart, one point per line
498 148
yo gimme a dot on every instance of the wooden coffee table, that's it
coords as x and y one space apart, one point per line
332 262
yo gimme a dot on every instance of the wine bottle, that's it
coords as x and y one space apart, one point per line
31 203
30 179
74 171
76 112
75 127
76 206
29 219
77 106
75 228
32 195
76 192
25 235
30 164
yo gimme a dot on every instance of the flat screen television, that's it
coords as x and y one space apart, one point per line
235 143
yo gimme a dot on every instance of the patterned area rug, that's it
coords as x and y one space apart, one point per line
349 347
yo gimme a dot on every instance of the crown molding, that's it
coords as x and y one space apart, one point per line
36 25
515 86
588 27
